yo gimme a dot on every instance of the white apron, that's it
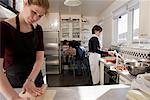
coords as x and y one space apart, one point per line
94 67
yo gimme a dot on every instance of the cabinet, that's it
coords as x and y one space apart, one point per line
144 18
70 27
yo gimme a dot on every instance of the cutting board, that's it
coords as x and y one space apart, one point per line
48 95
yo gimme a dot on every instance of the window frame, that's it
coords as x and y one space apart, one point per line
130 7
134 30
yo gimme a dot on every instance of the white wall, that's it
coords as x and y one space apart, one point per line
107 22
91 21
107 33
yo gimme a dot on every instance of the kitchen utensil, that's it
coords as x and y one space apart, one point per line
136 67
133 70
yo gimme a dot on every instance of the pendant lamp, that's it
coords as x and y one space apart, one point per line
72 3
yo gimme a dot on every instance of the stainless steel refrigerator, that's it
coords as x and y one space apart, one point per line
52 52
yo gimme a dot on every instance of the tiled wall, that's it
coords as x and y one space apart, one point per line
135 53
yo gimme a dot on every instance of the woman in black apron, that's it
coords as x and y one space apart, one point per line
24 58
22 50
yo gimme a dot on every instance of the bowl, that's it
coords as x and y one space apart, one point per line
136 70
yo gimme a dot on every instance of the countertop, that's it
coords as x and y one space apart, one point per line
125 74
99 92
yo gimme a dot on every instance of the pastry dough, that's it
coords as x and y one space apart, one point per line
48 94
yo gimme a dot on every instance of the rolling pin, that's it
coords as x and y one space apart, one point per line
28 95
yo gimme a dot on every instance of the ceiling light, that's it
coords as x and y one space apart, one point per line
72 2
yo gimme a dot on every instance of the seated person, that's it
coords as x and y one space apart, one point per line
65 47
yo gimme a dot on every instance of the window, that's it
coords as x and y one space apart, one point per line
120 17
126 23
135 34
122 28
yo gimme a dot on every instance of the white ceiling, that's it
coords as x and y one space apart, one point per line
87 8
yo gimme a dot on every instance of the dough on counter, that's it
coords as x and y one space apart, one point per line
137 95
26 95
48 94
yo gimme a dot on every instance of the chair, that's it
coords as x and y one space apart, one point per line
71 62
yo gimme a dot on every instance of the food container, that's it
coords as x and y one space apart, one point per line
110 59
118 68
138 68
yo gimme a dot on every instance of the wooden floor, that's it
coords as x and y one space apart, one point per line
68 78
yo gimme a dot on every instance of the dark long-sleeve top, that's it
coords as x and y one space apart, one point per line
94 46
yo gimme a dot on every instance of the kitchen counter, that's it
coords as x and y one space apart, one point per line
122 74
99 92
126 75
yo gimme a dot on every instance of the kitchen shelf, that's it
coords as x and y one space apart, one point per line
70 27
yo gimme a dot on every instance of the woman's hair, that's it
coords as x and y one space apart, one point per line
65 42
96 28
72 43
42 3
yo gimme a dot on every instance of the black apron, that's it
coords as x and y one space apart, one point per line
23 59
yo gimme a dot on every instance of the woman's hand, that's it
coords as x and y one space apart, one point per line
30 87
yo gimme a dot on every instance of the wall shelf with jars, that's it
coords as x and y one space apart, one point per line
70 27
